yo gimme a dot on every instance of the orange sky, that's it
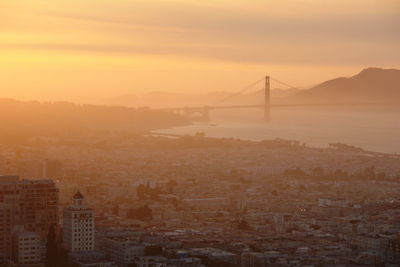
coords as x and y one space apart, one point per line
89 50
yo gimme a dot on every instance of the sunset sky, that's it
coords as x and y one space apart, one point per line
86 50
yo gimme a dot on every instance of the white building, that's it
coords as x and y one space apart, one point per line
122 250
27 248
90 259
78 226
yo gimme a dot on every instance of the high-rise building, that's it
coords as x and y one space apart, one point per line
27 248
122 250
6 215
78 226
34 203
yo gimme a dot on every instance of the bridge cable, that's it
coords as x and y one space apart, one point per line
283 83
239 92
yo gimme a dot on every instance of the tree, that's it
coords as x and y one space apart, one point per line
63 258
153 250
52 248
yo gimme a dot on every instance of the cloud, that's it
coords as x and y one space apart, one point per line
285 54
214 31
229 24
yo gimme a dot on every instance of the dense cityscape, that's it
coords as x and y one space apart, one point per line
197 201
195 133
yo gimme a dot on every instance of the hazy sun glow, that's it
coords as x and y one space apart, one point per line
88 50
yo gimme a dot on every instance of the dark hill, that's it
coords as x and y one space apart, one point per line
371 85
20 119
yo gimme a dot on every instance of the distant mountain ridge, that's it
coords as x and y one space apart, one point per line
22 120
371 85
169 99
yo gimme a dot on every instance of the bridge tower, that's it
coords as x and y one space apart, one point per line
267 103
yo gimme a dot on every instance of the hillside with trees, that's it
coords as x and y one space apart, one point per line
23 119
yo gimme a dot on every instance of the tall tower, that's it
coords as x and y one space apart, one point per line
6 224
78 226
267 103
34 203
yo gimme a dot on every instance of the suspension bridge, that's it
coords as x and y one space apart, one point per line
203 112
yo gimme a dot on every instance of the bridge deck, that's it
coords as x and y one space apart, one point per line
262 106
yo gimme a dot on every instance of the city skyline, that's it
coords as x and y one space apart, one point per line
192 133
